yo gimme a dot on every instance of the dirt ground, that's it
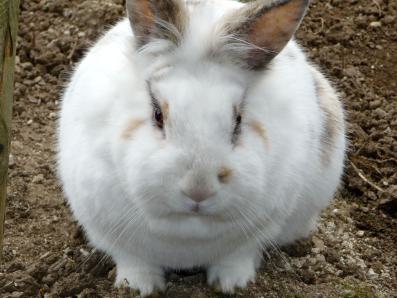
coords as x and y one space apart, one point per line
354 252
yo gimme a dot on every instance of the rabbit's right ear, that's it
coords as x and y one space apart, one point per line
259 31
162 19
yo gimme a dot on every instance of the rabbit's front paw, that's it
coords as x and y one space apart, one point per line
145 281
229 276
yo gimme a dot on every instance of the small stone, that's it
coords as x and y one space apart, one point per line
16 145
376 24
389 20
84 252
38 179
320 258
11 161
360 233
380 113
372 274
316 250
318 243
364 209
375 104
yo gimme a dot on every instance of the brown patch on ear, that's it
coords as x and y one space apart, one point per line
148 18
131 127
225 174
165 109
261 131
276 25
333 115
265 25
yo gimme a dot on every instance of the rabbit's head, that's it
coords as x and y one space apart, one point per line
197 155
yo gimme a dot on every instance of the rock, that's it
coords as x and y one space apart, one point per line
11 161
38 179
17 294
353 72
375 104
360 233
372 274
376 24
389 20
318 243
380 113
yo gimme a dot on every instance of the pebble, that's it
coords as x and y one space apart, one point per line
372 274
84 252
16 145
389 19
375 104
11 161
318 243
380 113
38 179
376 24
360 233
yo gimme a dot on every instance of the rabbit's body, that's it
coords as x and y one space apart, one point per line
122 176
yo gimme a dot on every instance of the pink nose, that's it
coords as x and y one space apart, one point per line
198 195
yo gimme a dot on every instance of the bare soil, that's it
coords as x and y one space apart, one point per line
354 252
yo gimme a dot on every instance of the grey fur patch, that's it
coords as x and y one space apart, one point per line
332 112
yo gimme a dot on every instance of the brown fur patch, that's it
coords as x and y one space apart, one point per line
261 131
268 25
333 115
146 16
131 127
165 108
225 174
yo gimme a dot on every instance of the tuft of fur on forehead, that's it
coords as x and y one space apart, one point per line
157 19
255 34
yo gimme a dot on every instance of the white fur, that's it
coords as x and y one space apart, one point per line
126 193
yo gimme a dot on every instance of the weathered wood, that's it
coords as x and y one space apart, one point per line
8 33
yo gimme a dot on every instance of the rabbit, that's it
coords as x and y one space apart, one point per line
197 134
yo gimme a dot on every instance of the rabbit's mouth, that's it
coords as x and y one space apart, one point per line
198 211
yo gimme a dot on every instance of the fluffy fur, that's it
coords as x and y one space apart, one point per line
126 180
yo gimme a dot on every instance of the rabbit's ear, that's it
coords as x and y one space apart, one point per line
260 30
164 19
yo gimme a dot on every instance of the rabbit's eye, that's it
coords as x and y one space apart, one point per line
158 117
237 126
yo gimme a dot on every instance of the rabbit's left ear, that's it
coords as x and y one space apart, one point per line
164 19
260 30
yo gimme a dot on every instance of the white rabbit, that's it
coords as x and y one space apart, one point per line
196 133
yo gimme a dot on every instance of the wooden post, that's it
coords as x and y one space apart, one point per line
8 34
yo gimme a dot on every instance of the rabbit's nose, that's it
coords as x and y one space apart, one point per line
198 186
198 195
